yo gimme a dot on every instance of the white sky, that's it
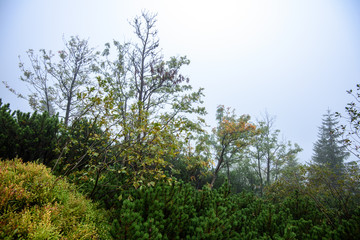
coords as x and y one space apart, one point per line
291 58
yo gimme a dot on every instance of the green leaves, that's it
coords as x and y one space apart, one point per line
55 79
349 131
178 211
29 136
230 137
37 205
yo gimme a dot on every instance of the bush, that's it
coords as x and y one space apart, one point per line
28 136
34 204
323 204
179 211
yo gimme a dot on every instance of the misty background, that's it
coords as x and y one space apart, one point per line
292 59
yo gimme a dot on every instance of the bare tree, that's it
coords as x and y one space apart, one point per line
72 72
54 83
42 92
350 128
145 56
270 154
140 77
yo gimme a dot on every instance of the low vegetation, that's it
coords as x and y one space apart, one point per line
37 205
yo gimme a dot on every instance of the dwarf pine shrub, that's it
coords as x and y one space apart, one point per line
34 204
179 211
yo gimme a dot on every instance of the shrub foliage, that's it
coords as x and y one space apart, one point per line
179 211
35 204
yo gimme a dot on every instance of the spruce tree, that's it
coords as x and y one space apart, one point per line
329 150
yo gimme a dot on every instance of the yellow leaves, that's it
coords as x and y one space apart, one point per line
122 170
234 126
82 95
136 184
147 178
146 165
203 163
232 129
250 126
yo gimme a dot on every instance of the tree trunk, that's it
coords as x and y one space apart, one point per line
96 183
268 171
70 95
217 169
67 113
260 175
228 171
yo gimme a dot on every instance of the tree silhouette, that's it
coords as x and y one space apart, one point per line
329 150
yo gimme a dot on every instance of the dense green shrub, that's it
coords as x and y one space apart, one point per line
179 211
27 136
322 204
80 145
34 204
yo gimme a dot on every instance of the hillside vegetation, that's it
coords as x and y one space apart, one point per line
117 147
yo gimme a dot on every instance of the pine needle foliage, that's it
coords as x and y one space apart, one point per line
329 149
28 136
179 211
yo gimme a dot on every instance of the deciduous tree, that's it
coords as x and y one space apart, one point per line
55 79
269 154
350 130
145 103
231 136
